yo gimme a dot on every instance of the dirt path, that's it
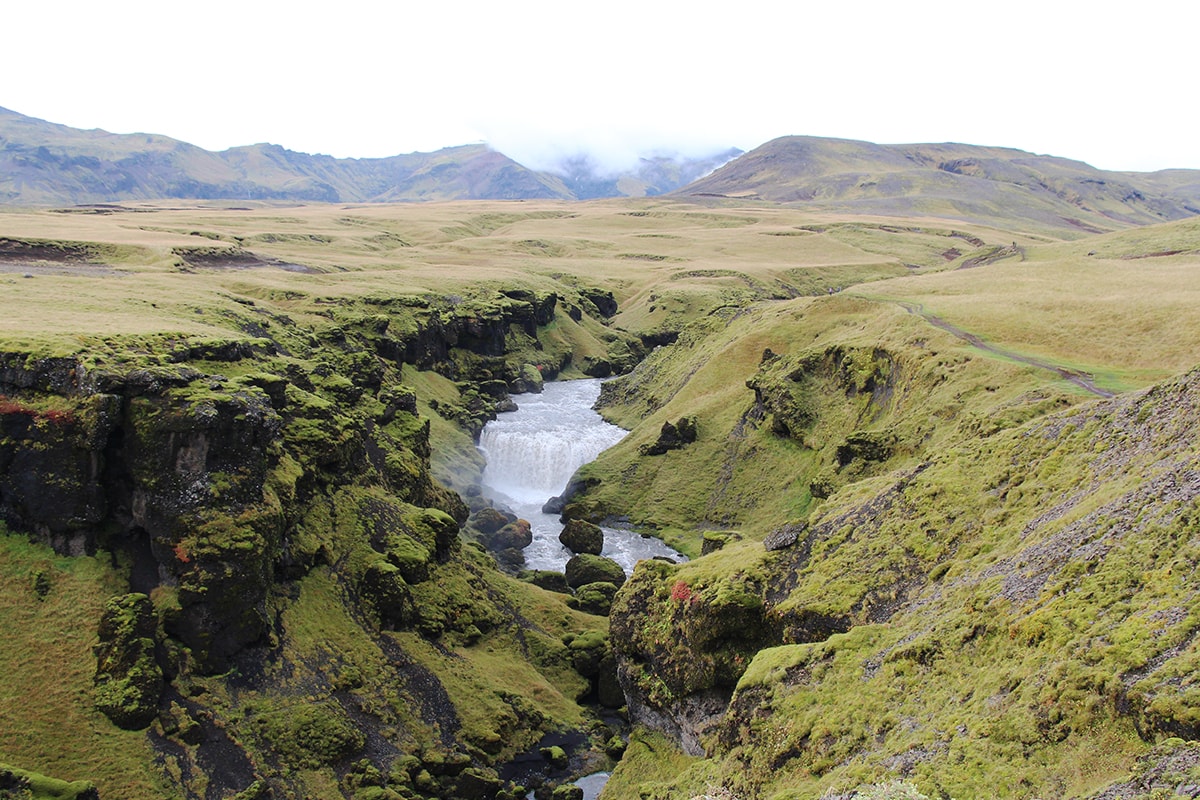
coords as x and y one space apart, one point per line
1081 379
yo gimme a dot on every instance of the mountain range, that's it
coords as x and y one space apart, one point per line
43 163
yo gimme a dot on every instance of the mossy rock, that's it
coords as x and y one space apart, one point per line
866 445
489 520
549 580
615 747
529 380
584 569
475 784
672 437
580 536
594 598
608 687
383 585
587 652
439 762
128 681
555 756
18 783
518 535
567 791
716 540
312 736
410 557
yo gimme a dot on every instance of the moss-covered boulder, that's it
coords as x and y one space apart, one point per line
128 680
615 747
475 784
489 520
547 579
584 569
312 735
515 535
580 536
672 437
594 598
555 756
18 783
384 587
529 379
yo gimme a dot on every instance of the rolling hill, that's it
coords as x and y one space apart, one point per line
966 182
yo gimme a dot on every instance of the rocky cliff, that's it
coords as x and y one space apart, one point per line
299 610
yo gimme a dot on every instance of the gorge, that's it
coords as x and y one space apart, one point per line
249 551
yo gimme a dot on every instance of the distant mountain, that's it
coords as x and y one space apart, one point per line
43 163
968 182
653 175
46 163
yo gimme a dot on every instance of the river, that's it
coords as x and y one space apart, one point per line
532 453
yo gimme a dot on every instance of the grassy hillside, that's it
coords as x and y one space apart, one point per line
981 184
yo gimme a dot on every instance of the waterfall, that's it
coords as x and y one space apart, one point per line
531 454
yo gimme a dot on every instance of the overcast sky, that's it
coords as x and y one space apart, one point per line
1115 88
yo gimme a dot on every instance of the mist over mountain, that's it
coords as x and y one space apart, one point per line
587 178
44 163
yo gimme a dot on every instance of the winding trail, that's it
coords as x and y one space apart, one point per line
1083 380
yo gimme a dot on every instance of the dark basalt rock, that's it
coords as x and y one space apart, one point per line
672 437
129 682
603 300
783 537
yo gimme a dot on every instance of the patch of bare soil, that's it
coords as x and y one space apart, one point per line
205 258
49 258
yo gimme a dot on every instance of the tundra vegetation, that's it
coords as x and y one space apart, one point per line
937 478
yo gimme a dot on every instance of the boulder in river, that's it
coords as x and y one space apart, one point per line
581 536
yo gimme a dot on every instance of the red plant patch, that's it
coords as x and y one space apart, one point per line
8 406
53 416
682 592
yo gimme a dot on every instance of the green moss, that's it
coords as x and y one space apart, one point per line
311 736
19 783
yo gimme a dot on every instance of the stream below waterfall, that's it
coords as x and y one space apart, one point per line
532 453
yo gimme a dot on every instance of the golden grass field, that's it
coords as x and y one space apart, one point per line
1121 305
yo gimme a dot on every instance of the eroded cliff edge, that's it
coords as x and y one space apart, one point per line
300 609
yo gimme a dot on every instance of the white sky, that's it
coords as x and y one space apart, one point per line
1110 84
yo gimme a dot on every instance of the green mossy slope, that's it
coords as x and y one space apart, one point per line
1015 615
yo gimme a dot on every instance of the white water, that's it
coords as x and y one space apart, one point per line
531 455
